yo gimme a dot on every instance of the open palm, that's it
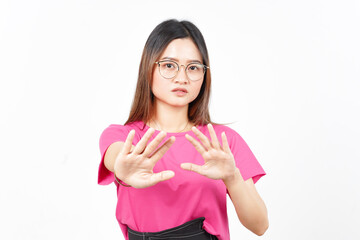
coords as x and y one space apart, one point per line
219 160
135 166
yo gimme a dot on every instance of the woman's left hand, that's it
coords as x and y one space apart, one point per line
219 161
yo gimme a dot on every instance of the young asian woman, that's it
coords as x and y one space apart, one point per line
171 164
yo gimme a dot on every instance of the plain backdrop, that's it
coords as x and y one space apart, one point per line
287 73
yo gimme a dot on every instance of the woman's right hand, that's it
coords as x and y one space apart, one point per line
135 166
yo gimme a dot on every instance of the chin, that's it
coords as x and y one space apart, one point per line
177 102
179 105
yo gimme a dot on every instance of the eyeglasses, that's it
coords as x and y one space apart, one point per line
169 69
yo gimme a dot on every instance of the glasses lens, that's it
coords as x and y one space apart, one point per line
168 69
195 71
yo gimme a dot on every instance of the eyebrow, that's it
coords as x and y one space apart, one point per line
177 60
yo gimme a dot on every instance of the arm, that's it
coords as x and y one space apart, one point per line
220 164
134 164
248 204
111 154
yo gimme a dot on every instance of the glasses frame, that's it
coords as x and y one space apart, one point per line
178 68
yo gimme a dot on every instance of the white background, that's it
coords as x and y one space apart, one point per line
286 72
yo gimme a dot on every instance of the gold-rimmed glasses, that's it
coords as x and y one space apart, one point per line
169 69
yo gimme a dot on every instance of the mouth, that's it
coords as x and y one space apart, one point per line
180 90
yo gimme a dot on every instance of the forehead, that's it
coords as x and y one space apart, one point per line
183 49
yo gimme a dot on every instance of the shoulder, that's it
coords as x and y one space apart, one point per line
233 137
124 128
115 128
119 131
230 132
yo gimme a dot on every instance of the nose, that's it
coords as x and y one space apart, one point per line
181 75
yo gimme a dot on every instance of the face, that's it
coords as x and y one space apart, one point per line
183 51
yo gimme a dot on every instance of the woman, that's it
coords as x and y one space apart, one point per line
171 165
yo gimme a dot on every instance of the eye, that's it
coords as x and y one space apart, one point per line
168 65
195 67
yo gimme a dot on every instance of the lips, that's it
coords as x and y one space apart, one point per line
179 89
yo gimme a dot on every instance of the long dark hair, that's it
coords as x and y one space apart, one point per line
143 103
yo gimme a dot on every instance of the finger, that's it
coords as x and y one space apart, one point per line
154 143
161 176
128 142
214 140
204 140
200 148
192 167
162 150
140 146
225 143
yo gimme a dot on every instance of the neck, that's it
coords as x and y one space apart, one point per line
170 119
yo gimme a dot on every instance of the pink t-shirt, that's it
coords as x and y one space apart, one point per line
186 196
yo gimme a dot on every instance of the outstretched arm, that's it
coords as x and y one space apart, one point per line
220 164
134 165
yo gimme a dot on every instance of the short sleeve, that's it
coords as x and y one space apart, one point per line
245 160
111 134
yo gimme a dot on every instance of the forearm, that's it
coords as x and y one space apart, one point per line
249 206
111 154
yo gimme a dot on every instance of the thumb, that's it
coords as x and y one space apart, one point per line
162 176
192 167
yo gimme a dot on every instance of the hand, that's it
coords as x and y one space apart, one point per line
219 161
135 167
